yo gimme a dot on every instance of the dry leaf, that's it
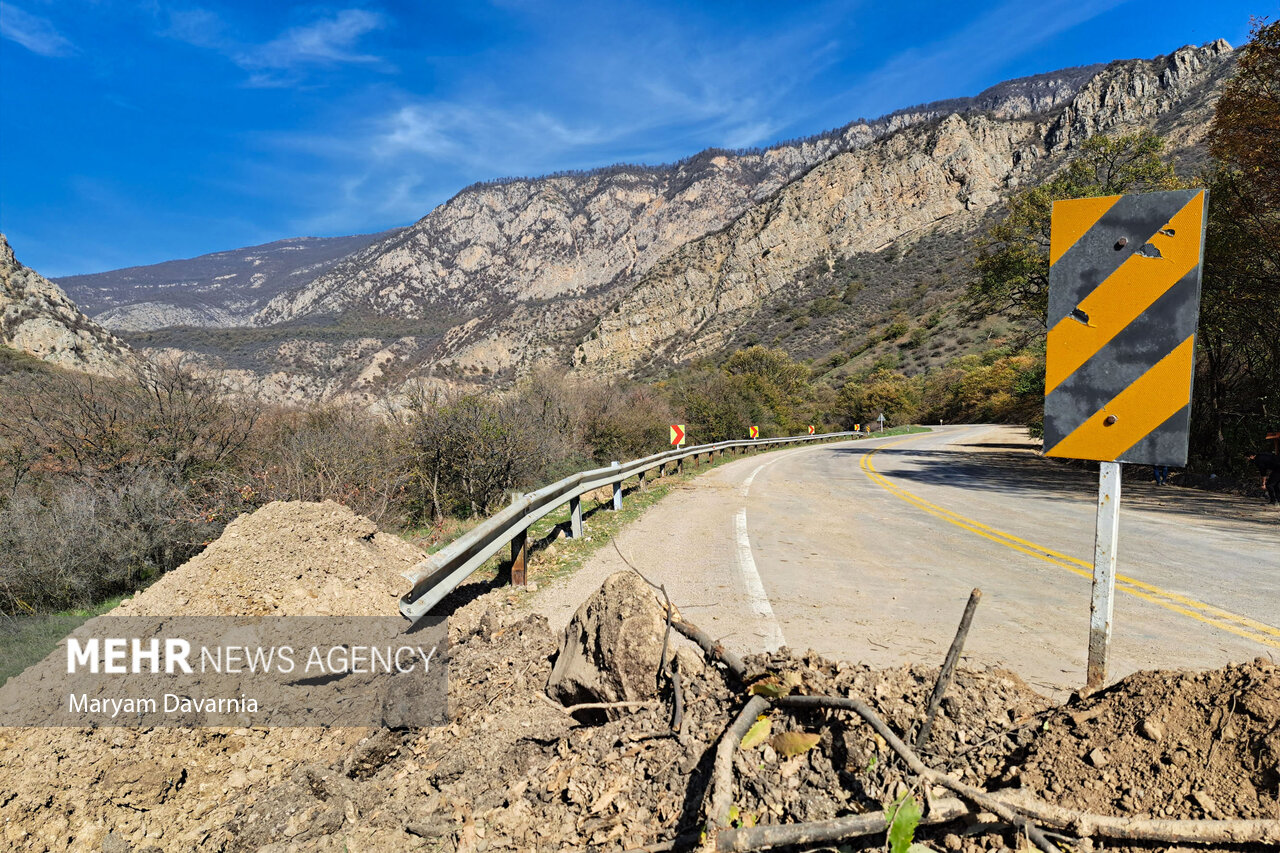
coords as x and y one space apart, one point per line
768 687
789 744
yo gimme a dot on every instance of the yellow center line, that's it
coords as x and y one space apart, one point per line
1241 626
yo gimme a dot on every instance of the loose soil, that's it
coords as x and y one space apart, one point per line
514 771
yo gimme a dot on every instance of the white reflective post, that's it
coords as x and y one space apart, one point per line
1105 541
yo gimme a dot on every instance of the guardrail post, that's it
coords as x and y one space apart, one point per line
680 465
575 517
617 489
519 552
642 484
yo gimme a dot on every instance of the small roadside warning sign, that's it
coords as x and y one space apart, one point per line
677 435
811 430
857 427
755 432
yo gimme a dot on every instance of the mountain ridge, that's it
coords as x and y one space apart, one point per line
622 269
223 288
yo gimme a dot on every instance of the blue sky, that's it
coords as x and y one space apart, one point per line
132 133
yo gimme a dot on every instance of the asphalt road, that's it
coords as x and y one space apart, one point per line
867 551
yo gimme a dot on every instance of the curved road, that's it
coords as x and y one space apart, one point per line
867 551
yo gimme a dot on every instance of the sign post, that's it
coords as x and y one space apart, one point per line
1124 300
1102 602
881 420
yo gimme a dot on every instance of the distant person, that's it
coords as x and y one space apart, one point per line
1268 465
1161 474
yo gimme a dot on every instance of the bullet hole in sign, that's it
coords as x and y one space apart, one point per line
1121 243
1079 316
1109 420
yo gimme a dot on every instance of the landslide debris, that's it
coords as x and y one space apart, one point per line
514 771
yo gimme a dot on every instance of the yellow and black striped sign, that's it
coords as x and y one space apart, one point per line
1124 300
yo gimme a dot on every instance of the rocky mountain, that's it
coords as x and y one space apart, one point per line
940 177
629 269
526 240
215 290
37 318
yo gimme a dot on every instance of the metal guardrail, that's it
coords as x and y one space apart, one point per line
442 572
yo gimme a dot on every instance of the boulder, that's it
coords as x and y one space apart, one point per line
611 648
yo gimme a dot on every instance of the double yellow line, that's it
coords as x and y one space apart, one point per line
1241 626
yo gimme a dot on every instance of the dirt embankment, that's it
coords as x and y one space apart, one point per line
515 771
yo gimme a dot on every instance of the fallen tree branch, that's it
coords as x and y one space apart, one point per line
610 706
821 831
677 702
666 640
948 669
1088 825
974 795
1013 808
600 706
722 770
734 663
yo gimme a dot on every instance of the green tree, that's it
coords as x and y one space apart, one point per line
1237 391
1013 257
862 400
717 406
772 380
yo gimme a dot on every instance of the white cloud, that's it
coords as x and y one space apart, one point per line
651 97
199 27
33 32
283 60
327 41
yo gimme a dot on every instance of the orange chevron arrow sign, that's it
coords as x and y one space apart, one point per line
755 432
1124 300
810 429
677 434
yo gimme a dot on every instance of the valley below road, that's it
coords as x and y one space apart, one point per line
866 551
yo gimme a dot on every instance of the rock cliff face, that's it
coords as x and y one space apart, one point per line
574 235
938 177
37 318
1138 93
615 270
943 175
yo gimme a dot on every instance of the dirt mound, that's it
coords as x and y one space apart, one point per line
1166 745
290 559
180 789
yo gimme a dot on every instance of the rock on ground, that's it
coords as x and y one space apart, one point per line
612 647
